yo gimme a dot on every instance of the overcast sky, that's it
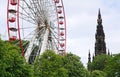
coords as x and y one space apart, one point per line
81 17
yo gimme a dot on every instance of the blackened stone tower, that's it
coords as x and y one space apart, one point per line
100 45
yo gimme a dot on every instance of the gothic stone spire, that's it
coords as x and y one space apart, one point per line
100 45
89 61
89 57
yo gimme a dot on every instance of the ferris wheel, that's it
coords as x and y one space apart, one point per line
37 25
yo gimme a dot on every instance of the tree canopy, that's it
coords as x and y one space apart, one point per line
49 64
74 66
12 64
98 73
109 65
99 62
113 66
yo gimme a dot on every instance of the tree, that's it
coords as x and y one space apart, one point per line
12 64
113 66
74 66
49 64
98 73
99 62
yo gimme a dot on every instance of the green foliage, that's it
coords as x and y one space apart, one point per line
97 73
89 66
109 64
99 62
25 43
49 64
74 66
12 64
113 66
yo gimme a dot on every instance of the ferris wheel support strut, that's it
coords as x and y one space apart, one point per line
29 49
45 39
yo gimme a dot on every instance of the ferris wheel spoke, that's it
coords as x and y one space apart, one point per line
27 12
28 18
54 33
55 41
37 12
28 6
55 44
41 11
31 10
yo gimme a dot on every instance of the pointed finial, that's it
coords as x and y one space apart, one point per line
89 57
89 53
93 57
99 20
99 14
108 52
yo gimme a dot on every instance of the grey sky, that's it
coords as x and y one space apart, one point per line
81 17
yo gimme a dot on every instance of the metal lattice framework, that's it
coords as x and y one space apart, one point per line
40 23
